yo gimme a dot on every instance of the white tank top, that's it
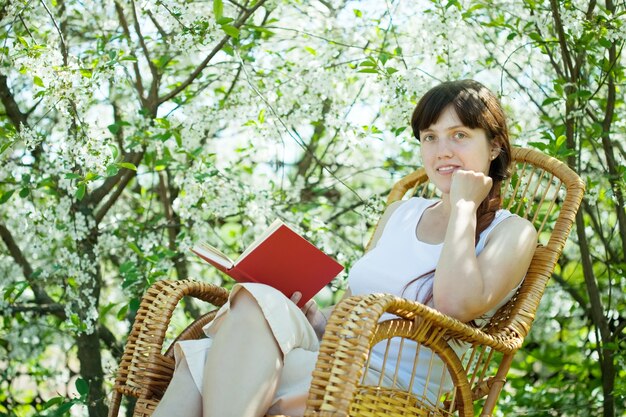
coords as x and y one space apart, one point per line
398 258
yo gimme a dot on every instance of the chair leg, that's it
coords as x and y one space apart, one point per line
498 384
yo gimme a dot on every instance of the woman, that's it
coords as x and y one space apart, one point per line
460 254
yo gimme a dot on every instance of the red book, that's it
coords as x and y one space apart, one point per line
281 258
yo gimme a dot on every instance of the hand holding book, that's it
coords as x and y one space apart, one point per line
281 258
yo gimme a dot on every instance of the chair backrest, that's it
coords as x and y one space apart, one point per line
541 189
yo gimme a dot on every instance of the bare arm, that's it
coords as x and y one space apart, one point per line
465 285
317 317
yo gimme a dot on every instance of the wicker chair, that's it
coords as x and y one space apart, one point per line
541 189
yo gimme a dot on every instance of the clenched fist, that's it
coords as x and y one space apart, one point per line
469 186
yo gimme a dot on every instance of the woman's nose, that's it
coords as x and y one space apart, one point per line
443 148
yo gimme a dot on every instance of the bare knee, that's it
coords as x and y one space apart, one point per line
245 307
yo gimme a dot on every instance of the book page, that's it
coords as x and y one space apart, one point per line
208 252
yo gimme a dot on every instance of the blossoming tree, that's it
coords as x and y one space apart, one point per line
129 130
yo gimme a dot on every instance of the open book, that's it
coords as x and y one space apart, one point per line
281 258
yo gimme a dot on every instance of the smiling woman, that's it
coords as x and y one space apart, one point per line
447 252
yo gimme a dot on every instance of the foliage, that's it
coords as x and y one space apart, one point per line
130 130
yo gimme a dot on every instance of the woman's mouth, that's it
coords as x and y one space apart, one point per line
447 169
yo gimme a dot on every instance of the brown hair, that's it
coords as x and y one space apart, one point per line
477 107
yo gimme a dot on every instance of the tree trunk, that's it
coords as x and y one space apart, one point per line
88 342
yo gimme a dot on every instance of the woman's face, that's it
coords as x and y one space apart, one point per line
447 145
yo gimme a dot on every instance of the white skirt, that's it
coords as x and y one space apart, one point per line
293 333
295 337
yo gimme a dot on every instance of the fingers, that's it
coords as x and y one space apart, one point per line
309 307
470 185
296 296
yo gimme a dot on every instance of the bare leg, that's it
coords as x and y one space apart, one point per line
182 397
243 366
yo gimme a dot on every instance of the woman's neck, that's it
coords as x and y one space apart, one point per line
445 207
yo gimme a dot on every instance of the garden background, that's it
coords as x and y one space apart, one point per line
131 129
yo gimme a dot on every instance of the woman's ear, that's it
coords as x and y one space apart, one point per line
495 151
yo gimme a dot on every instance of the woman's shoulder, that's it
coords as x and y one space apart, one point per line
410 204
507 224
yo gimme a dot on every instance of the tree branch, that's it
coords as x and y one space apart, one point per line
56 26
576 295
138 79
41 297
612 164
54 309
156 24
213 52
154 85
556 14
10 105
124 180
100 193
108 338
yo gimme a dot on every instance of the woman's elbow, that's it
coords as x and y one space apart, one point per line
454 308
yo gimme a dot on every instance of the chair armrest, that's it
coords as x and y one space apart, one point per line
144 370
352 329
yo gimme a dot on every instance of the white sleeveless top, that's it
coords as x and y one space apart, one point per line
397 259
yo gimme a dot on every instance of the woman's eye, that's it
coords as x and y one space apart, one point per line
428 138
460 135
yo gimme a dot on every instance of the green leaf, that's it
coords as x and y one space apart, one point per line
228 50
87 73
384 57
91 176
117 126
112 170
121 314
539 145
604 42
5 146
114 151
134 304
64 408
262 116
367 63
4 197
82 387
127 165
53 401
357 12
368 70
24 192
133 246
80 191
550 100
72 176
224 20
38 82
114 128
218 9
231 31
536 37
